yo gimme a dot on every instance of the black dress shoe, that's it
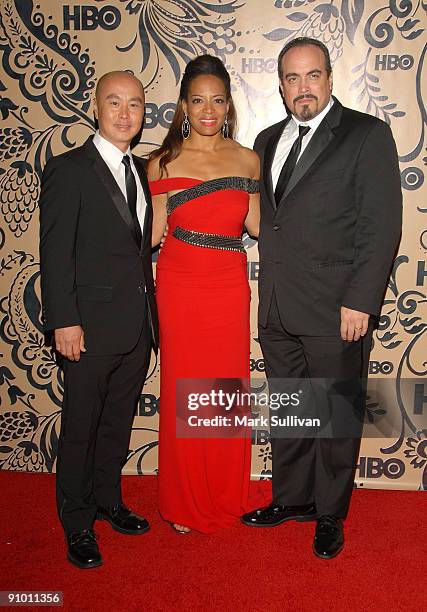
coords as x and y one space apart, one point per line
83 549
123 520
329 537
275 514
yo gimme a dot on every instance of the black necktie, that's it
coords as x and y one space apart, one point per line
289 165
131 196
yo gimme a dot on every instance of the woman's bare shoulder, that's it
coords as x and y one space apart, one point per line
154 171
249 159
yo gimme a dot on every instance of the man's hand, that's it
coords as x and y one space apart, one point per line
69 341
165 235
354 324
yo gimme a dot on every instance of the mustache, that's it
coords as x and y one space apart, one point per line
305 97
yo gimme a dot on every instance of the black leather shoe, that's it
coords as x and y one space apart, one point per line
275 514
329 537
123 520
83 549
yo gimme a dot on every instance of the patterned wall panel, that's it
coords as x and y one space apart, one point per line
52 53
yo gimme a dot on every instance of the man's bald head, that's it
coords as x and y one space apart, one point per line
119 107
110 77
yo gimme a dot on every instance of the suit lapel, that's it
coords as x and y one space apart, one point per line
316 146
110 183
324 134
269 153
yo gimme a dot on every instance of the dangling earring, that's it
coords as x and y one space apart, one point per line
225 128
185 128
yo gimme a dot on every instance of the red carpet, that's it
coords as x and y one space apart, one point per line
382 567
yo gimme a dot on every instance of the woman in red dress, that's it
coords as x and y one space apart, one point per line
205 187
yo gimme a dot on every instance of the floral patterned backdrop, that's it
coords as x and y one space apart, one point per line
52 53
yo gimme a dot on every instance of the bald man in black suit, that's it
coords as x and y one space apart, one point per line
98 300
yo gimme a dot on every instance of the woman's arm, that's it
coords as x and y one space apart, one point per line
159 204
253 217
159 218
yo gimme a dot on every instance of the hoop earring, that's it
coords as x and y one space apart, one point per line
185 128
225 130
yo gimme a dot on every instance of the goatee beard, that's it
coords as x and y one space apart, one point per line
306 113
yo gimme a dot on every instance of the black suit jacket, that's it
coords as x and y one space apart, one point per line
93 272
331 240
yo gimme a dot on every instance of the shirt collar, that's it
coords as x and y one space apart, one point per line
317 120
108 151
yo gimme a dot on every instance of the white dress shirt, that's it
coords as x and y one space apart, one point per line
113 158
288 137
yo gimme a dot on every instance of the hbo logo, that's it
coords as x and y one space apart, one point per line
258 64
148 405
257 365
380 367
260 437
91 17
159 115
393 62
375 467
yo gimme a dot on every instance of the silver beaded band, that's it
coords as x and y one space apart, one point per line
209 241
235 183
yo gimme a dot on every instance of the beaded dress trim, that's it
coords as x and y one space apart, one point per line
236 183
209 241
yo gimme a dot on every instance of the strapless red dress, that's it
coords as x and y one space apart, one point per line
203 300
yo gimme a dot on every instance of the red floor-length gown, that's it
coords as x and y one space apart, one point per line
203 300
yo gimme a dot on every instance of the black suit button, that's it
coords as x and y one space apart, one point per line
140 290
276 227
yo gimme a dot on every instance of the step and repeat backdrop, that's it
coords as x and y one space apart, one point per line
52 53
